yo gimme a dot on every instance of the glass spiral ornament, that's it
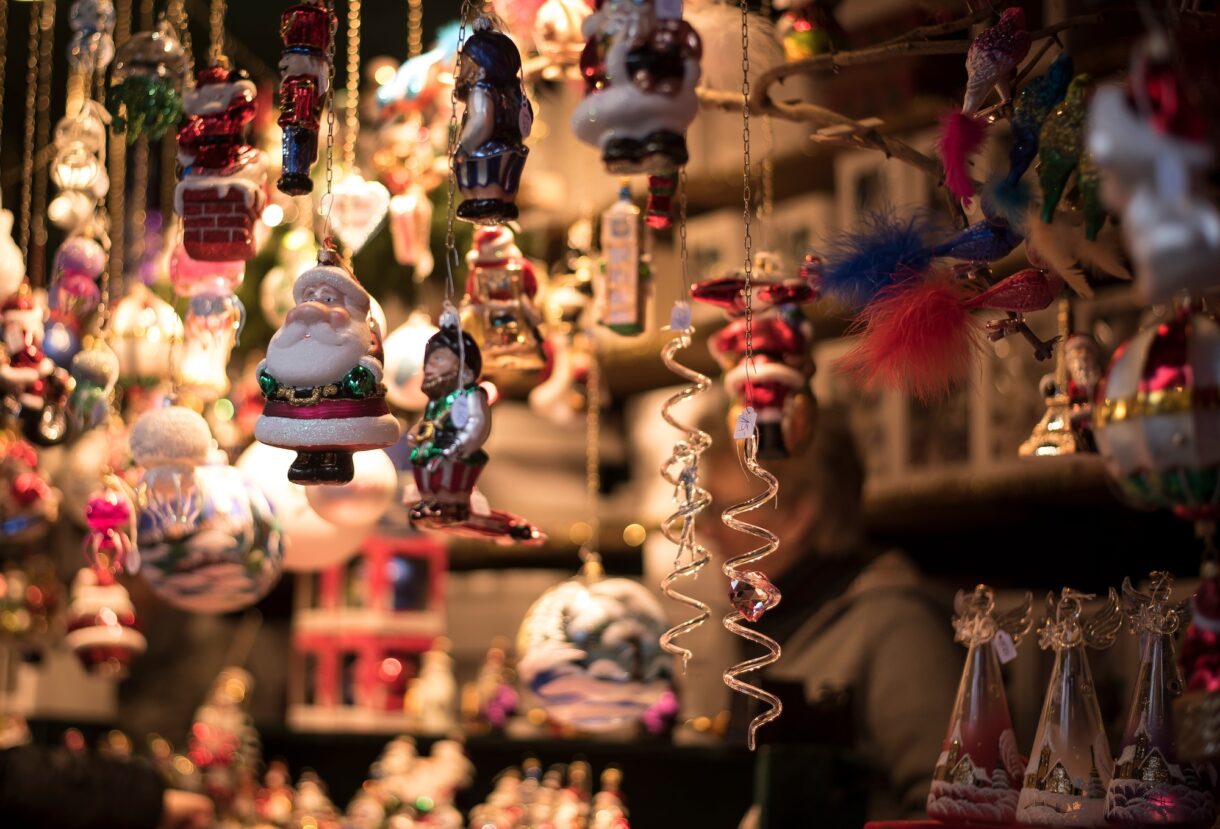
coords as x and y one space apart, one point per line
682 470
751 593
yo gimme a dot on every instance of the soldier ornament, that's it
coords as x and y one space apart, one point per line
307 30
322 377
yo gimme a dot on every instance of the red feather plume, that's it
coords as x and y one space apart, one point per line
917 337
960 137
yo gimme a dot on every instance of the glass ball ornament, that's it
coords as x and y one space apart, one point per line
311 542
170 444
145 93
144 333
191 276
404 362
1154 420
589 652
102 628
227 558
360 503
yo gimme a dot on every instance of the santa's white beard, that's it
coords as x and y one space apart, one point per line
324 356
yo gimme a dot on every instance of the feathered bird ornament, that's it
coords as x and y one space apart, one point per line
1006 197
1061 143
993 57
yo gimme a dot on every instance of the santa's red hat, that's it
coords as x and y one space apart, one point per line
332 271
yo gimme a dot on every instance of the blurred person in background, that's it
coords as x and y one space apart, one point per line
869 667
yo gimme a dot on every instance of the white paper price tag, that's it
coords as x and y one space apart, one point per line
460 413
679 317
745 424
1005 648
669 9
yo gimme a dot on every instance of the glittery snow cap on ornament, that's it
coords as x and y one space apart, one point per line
102 629
322 378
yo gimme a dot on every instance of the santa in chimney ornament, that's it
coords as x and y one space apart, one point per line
446 445
307 30
223 186
322 378
35 389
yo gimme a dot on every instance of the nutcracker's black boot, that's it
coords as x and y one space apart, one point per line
331 467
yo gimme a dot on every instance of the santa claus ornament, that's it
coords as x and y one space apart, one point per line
102 629
447 443
776 382
35 389
491 151
322 378
221 193
500 290
641 67
307 30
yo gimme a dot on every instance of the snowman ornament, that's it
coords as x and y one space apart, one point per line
322 377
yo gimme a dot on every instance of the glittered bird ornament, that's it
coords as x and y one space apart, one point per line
1061 143
993 57
1006 197
1088 182
983 241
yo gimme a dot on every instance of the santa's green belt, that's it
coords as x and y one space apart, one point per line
358 394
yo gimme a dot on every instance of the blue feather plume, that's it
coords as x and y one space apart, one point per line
886 250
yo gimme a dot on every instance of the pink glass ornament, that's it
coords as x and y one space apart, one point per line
111 520
753 597
190 276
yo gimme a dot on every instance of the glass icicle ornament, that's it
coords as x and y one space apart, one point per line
1070 764
980 766
1150 785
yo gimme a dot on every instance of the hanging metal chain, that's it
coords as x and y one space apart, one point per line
451 256
36 263
176 12
27 150
216 33
747 195
117 197
593 479
415 28
351 122
328 197
3 57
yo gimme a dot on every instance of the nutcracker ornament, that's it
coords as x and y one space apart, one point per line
322 377
776 382
145 95
1151 785
222 189
1070 765
102 627
35 389
641 68
500 289
980 768
991 62
307 30
446 444
491 151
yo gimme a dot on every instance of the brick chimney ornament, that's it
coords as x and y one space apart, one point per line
223 187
